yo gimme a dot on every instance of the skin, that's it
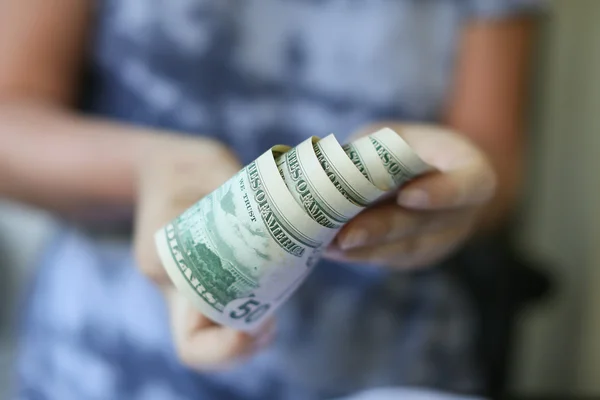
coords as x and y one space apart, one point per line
480 166
429 218
81 167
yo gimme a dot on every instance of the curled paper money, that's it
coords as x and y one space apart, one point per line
241 251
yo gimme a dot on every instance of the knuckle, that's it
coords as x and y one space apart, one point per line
149 264
386 223
185 357
412 253
431 249
156 274
218 356
483 185
411 247
237 347
390 223
452 193
489 184
142 258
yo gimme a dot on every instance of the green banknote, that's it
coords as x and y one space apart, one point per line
362 153
235 252
241 251
312 189
398 159
340 169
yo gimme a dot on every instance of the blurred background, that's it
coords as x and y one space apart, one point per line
555 343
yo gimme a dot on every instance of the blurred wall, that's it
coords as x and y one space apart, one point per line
560 344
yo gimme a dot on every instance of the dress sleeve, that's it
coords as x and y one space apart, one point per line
498 9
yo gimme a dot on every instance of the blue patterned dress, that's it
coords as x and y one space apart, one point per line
252 74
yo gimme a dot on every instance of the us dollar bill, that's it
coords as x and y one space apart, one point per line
341 171
364 157
241 251
399 160
311 188
237 251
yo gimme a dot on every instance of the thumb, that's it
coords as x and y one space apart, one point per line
464 175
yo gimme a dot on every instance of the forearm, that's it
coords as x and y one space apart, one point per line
506 157
501 207
488 101
53 158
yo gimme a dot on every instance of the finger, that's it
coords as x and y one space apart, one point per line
410 252
389 222
199 342
465 175
215 348
266 335
161 197
152 212
185 319
169 184
471 186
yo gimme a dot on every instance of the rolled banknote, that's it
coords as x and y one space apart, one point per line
241 251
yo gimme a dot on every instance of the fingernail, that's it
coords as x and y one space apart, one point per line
413 198
354 238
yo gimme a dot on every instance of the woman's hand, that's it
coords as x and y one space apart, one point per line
427 219
175 173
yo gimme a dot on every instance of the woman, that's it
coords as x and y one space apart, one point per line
240 77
